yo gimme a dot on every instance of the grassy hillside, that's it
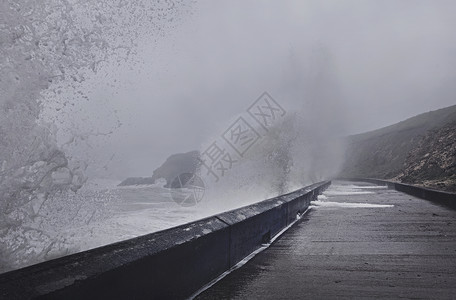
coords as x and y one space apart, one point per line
382 153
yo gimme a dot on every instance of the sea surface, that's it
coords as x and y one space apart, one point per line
134 211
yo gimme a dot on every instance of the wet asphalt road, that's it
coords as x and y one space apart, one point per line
335 251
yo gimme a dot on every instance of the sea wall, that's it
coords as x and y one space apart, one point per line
170 264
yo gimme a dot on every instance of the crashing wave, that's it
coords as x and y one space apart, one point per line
47 47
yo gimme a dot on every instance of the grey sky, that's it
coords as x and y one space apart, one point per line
382 61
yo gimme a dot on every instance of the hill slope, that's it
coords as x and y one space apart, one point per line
389 152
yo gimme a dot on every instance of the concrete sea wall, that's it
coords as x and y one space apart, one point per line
170 264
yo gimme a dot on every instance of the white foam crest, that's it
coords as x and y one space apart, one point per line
349 204
346 193
374 187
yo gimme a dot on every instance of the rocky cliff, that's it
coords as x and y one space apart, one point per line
432 162
175 165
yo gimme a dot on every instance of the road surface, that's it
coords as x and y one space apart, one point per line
360 241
